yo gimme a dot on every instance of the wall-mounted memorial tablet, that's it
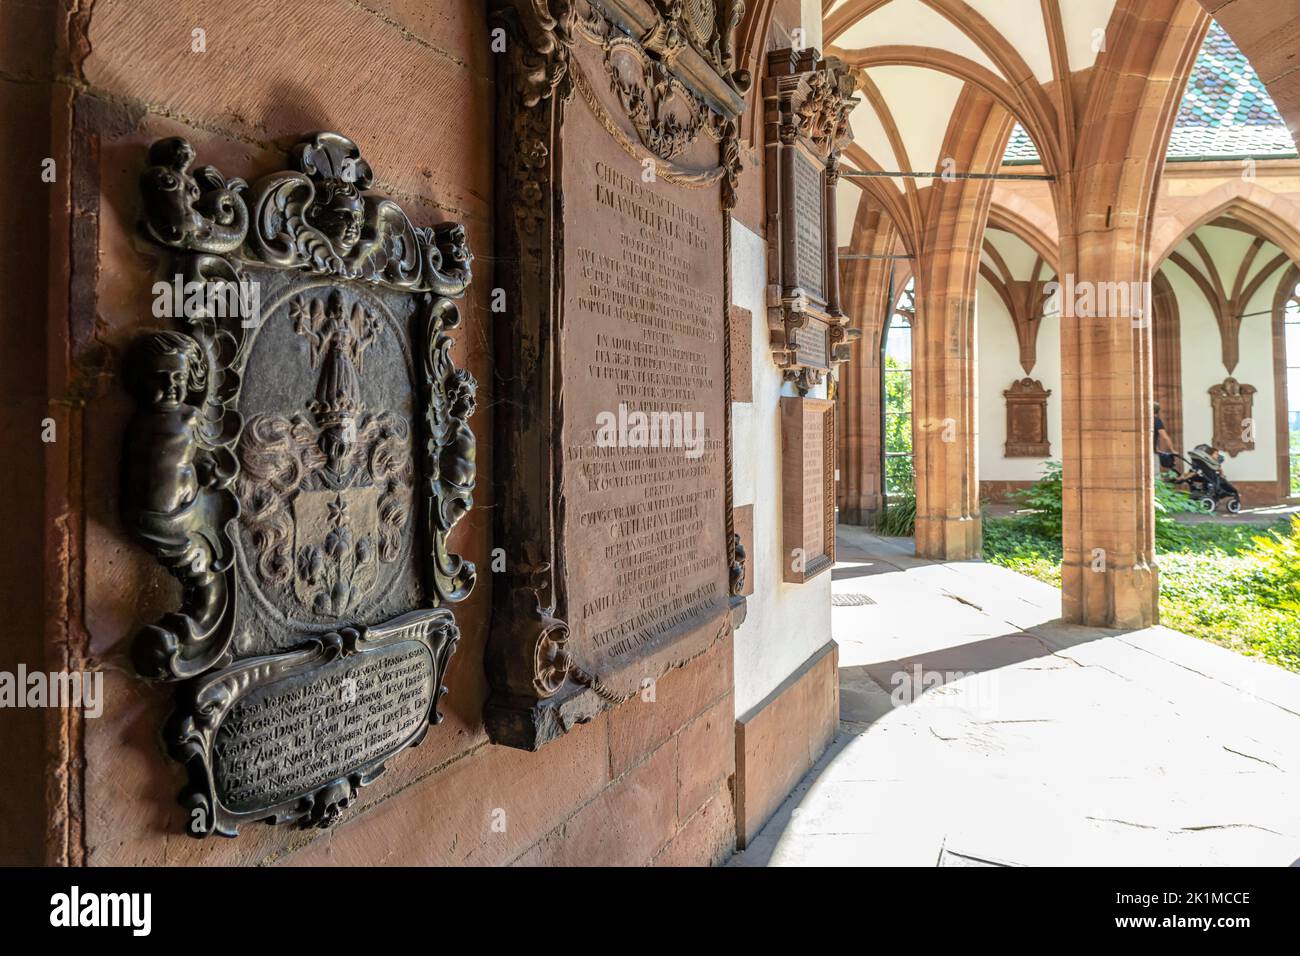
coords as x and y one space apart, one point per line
1027 419
1232 406
618 162
806 106
300 450
807 487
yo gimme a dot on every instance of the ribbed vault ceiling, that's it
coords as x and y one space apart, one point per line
915 57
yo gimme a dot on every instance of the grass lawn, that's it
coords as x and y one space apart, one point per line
1214 583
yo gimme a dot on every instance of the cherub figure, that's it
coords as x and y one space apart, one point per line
338 212
457 461
177 500
166 464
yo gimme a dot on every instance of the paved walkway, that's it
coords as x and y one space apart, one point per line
1046 744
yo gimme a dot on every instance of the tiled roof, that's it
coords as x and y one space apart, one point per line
1226 112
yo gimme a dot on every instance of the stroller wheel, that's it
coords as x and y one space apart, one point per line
1234 506
1208 505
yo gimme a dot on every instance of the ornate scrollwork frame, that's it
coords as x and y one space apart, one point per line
180 469
656 53
807 100
204 704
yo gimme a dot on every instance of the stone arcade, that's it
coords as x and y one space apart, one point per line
430 422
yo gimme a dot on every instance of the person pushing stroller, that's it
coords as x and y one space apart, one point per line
1203 477
1206 482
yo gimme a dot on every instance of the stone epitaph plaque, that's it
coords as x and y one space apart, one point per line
807 487
1027 419
642 534
615 452
1232 405
807 100
299 454
742 355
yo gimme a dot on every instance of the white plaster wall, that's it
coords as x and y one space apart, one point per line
785 623
998 352
810 15
1202 359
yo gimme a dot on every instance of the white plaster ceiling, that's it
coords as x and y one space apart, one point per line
911 23
1021 22
919 100
869 133
920 129
1016 253
847 197
1083 23
1227 248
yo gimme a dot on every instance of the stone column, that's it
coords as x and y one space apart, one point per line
943 339
1104 206
866 285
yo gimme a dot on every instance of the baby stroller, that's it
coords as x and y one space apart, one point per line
1206 482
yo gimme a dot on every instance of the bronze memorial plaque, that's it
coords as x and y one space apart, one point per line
299 453
644 300
807 487
621 120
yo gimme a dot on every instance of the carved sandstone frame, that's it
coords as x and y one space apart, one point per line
537 690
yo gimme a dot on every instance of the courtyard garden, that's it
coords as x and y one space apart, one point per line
1237 585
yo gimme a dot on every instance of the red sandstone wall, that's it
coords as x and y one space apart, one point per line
413 83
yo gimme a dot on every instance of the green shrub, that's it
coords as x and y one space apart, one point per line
1011 543
1172 500
1277 576
1043 499
898 519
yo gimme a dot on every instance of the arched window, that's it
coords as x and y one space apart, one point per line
896 397
1292 339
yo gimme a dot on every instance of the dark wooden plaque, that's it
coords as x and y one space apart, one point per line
808 208
812 344
807 100
619 161
300 452
807 487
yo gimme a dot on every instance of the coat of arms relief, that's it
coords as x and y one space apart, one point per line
300 453
327 493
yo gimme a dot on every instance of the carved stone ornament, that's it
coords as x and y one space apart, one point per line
300 452
1027 419
1233 407
591 92
807 101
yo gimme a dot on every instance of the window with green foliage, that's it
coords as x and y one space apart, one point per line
896 347
1292 328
